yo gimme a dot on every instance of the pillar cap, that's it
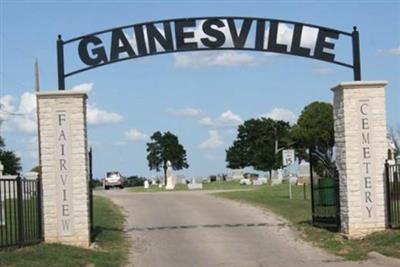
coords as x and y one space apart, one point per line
62 93
360 84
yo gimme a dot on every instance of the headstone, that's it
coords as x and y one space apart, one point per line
194 186
304 172
146 184
277 177
260 181
292 179
245 181
235 174
170 177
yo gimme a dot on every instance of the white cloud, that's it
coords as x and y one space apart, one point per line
322 71
19 114
285 36
98 116
213 141
391 51
214 58
227 119
136 135
95 115
207 121
22 118
83 87
186 112
234 58
281 114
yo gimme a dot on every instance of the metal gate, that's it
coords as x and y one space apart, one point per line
393 194
325 201
91 185
20 212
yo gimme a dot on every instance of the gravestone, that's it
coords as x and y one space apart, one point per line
170 177
304 172
195 186
260 181
146 184
277 177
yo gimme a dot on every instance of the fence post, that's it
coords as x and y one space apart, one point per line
20 213
39 206
91 191
310 151
337 189
388 208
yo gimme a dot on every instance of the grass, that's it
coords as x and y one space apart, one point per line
112 251
226 185
206 186
298 212
155 188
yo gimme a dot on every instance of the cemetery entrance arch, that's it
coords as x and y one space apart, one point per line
359 112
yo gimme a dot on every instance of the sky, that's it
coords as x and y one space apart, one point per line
200 96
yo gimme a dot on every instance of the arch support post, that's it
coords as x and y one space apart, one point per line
361 148
64 160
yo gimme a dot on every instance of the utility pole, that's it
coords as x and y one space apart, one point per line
37 89
37 86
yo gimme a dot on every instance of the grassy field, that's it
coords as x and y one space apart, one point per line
298 212
112 251
206 186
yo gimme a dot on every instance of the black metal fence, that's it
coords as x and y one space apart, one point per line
393 194
20 212
91 186
325 200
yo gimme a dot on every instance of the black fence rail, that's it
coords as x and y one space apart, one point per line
20 212
393 194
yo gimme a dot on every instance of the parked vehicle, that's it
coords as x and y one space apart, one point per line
113 179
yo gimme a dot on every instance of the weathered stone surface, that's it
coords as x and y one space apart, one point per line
361 149
63 143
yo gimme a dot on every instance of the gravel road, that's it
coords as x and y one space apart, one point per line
174 229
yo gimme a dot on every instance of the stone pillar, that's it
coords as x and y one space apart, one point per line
64 160
361 149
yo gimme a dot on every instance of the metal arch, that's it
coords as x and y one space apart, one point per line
197 50
204 18
354 35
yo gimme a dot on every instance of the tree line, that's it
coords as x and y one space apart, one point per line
259 142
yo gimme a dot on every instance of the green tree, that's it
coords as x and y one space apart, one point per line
257 144
10 161
163 148
314 130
